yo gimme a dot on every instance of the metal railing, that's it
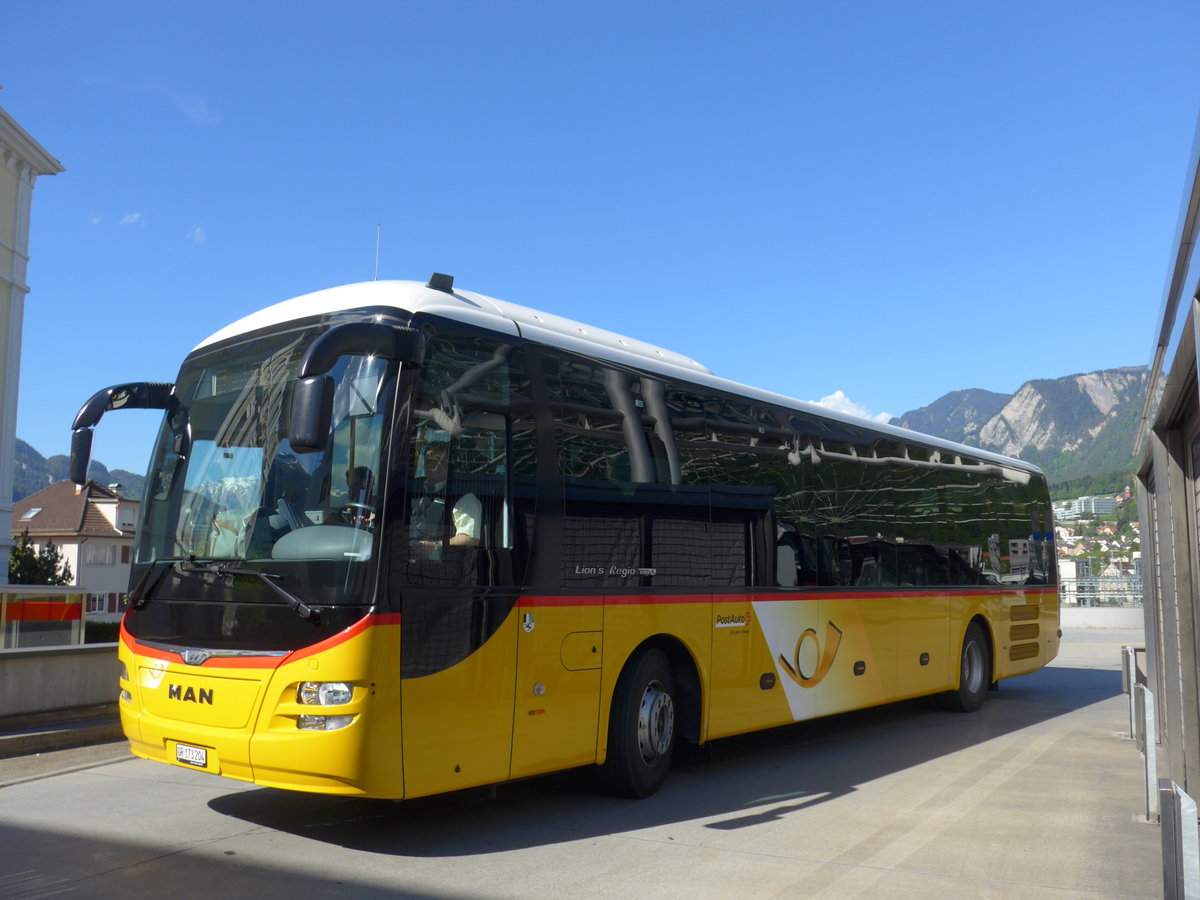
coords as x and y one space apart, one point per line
1116 590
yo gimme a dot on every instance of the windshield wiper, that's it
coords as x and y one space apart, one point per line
142 592
302 609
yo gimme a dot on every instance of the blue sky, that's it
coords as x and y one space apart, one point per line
890 200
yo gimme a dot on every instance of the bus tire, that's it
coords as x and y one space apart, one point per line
974 673
641 727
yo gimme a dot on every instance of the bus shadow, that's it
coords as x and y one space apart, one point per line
736 782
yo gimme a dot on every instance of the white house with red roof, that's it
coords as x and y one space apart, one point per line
94 526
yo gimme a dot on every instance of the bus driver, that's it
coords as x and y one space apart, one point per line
428 519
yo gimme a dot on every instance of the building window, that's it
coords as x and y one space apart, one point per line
124 554
96 603
101 554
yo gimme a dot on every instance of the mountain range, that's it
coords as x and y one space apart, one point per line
1079 427
34 472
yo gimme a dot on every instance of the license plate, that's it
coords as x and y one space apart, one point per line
191 756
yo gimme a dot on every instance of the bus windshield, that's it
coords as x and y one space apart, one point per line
227 486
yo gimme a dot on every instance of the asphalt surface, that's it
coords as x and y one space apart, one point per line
1036 795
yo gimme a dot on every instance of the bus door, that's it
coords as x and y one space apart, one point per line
587 531
467 526
560 649
457 691
559 652
458 642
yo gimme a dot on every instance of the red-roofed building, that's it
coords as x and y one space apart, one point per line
94 526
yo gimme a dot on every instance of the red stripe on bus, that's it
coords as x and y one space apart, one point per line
658 600
808 595
266 662
547 602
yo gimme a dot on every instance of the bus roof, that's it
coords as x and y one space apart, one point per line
547 328
464 306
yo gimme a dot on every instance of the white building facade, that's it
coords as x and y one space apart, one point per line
22 160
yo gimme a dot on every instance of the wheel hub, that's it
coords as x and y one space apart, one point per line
656 722
972 674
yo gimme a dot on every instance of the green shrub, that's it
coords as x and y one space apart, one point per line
101 632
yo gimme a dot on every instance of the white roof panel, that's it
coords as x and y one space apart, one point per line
463 306
511 318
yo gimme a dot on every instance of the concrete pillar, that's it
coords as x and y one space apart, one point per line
22 159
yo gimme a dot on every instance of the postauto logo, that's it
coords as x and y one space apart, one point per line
734 620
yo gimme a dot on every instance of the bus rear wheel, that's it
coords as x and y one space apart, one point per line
641 727
974 674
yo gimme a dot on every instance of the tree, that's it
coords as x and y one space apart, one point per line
45 566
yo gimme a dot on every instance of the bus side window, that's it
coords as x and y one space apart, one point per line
787 555
601 454
472 441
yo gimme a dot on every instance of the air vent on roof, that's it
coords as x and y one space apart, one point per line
440 282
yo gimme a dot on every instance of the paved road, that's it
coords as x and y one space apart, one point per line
1034 796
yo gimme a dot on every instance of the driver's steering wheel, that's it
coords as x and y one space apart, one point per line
360 515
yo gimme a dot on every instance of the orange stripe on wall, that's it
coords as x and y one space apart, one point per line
44 611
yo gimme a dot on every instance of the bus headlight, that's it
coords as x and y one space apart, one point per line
123 676
323 723
324 693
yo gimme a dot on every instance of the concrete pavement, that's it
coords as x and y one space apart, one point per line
1036 795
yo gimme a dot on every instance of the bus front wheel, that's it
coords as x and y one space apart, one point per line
641 727
974 675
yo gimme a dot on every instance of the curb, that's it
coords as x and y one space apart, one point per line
59 730
63 737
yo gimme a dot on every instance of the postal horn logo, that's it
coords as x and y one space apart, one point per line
811 664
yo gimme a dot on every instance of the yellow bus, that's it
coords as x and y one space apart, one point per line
398 539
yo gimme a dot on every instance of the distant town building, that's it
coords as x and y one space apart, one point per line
94 526
1084 506
1018 556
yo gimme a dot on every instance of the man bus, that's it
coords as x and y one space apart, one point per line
575 549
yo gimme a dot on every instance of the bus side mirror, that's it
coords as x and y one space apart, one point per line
312 399
81 454
135 395
312 412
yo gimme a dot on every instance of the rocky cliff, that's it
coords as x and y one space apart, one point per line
1080 425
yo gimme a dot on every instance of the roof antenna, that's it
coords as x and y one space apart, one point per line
440 282
377 229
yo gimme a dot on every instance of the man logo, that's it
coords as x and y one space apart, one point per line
190 695
196 657
822 658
